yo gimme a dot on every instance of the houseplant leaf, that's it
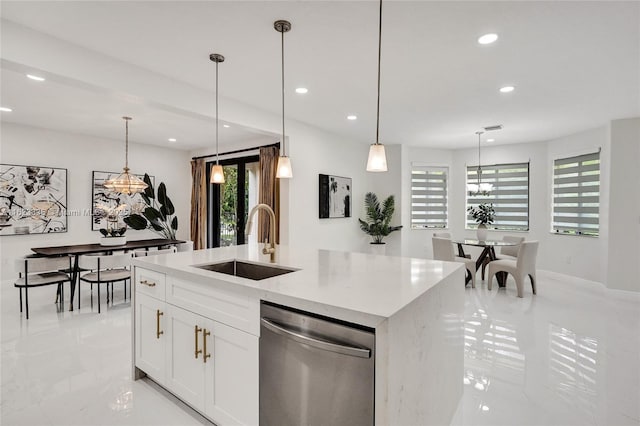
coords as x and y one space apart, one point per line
136 222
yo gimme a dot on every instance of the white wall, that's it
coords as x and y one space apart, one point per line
581 256
624 199
81 155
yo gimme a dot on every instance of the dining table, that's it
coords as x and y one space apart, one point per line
76 250
488 252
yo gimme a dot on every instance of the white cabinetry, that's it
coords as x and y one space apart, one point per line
150 336
183 344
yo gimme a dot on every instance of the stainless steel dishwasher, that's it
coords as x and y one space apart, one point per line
314 370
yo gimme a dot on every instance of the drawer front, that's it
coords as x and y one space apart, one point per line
151 283
228 307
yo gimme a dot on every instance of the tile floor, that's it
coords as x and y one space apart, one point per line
569 356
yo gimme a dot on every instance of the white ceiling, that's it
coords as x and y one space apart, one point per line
575 65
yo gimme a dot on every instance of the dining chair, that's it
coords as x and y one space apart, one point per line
506 252
41 271
524 265
186 246
443 250
105 269
143 253
442 235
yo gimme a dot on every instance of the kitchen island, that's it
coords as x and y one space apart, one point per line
414 305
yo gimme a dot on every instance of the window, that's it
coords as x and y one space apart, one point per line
576 195
428 197
510 195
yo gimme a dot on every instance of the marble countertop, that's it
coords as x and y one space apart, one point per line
357 287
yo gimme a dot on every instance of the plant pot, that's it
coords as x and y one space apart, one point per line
482 232
113 241
380 249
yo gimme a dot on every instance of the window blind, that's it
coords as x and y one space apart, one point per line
510 195
429 197
576 195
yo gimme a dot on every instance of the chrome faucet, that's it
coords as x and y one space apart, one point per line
269 248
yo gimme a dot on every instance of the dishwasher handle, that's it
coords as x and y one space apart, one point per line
304 339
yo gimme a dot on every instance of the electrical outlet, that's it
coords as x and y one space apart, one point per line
568 260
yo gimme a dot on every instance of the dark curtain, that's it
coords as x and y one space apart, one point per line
199 204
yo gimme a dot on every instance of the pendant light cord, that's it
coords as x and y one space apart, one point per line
379 60
479 162
284 151
126 143
217 152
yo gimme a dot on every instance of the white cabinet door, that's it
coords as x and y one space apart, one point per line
150 337
185 375
232 376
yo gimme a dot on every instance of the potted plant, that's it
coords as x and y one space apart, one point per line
113 234
159 215
378 218
483 214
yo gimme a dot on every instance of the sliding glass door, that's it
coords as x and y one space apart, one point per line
228 204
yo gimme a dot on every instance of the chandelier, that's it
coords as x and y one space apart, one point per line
479 188
126 183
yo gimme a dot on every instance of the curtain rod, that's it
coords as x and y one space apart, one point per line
277 144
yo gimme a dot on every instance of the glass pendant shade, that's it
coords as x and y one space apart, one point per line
377 158
284 168
126 183
217 174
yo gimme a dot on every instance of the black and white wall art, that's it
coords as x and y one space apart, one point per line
335 196
107 204
33 200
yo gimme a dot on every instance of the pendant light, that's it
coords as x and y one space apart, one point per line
217 174
479 188
377 161
284 164
126 183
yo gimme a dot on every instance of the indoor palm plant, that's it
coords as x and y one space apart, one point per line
378 223
159 215
483 214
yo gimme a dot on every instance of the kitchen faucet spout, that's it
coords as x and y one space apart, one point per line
269 247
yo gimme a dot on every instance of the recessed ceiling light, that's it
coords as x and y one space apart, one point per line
226 126
491 140
507 89
173 140
302 90
352 117
487 38
5 109
35 77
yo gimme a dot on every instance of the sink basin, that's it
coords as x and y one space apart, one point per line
252 271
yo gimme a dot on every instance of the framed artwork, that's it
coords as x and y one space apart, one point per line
106 203
33 200
335 196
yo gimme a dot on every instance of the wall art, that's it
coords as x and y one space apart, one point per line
335 196
107 205
33 200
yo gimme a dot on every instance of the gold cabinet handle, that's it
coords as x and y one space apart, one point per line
197 351
205 355
159 313
148 283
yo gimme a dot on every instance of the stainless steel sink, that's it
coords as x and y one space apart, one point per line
252 271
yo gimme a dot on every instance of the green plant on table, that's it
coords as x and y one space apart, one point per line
378 223
483 214
159 213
